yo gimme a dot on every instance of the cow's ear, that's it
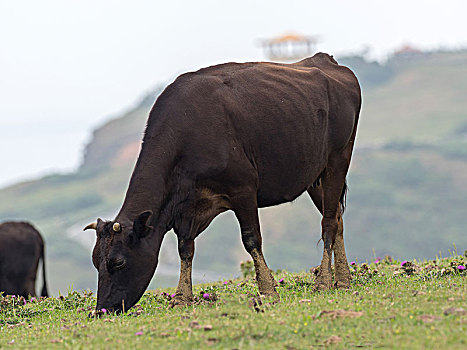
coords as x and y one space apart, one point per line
140 225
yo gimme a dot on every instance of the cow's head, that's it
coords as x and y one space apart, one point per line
125 255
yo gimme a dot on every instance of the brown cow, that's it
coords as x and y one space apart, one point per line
21 248
232 137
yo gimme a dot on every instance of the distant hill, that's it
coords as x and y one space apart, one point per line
408 183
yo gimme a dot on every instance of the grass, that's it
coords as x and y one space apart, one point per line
417 305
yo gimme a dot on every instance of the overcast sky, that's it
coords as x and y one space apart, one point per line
67 66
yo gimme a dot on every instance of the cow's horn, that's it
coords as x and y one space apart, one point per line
116 227
93 226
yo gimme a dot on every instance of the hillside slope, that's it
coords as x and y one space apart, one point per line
408 183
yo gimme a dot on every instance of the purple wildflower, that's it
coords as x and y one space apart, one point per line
32 299
352 263
404 262
24 302
104 310
281 280
226 282
461 267
377 260
139 333
172 295
206 295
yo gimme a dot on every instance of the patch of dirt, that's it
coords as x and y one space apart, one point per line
418 292
333 339
340 313
428 318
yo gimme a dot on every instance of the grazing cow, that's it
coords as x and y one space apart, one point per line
21 248
235 136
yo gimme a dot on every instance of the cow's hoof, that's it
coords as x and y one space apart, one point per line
321 287
342 284
322 284
96 314
179 302
270 296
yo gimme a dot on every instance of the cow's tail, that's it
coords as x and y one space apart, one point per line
343 198
44 292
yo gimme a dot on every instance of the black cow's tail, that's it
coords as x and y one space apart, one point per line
343 198
44 292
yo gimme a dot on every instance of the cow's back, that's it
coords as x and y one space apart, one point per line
20 250
285 118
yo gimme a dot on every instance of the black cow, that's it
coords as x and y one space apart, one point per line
21 248
232 137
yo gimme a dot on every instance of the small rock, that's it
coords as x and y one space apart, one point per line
304 301
256 303
194 324
418 292
212 341
455 310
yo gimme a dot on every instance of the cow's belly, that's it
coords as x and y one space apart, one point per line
284 184
269 199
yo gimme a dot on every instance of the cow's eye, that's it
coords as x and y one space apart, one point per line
116 264
119 264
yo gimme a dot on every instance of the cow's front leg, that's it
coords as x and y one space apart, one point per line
247 215
184 293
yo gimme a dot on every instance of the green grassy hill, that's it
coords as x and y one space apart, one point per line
408 183
423 102
419 305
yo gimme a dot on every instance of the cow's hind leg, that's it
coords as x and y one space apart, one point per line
246 211
342 272
184 293
342 277
333 183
